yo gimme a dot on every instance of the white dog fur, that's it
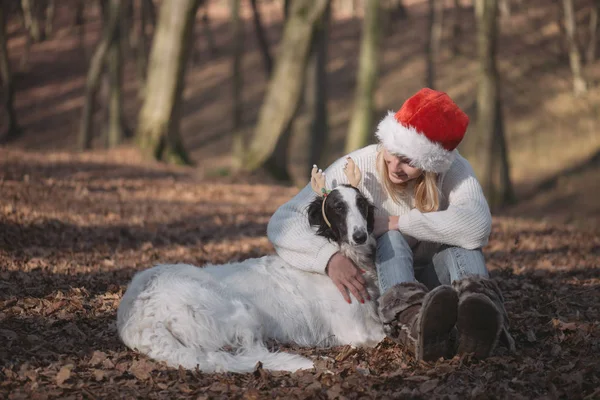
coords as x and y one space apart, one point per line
217 317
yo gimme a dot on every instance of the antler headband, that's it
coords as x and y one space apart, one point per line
317 182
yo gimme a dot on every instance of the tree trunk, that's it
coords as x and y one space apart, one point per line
31 21
262 39
50 11
579 84
285 87
237 40
115 132
364 99
591 50
434 35
456 29
210 40
277 163
503 184
141 55
316 94
109 32
490 126
79 23
7 81
159 119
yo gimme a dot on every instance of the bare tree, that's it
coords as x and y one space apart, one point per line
364 99
157 133
590 55
115 131
31 19
210 40
7 81
110 32
286 85
579 83
237 47
456 28
490 124
316 94
434 37
49 24
262 39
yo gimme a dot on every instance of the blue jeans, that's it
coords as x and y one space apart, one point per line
394 262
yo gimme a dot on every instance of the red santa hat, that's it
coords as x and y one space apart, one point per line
427 129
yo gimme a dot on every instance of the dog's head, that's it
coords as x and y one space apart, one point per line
349 212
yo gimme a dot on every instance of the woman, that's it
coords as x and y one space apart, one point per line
432 220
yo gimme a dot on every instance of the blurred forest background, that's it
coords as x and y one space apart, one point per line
136 132
232 86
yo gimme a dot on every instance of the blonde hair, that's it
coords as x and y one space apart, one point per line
427 197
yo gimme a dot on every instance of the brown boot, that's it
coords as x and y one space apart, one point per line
482 319
419 320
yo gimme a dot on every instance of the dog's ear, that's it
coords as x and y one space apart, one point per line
370 217
315 215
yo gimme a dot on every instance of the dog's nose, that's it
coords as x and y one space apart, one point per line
359 237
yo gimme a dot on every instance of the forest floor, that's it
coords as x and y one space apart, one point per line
75 228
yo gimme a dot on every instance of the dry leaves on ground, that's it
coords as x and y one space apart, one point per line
74 230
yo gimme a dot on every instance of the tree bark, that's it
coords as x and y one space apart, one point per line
285 87
109 32
579 83
456 29
362 113
157 133
490 125
237 40
316 95
79 23
210 41
7 81
49 23
31 21
262 39
115 132
590 55
141 55
434 36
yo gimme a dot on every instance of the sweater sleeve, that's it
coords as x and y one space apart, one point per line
465 223
295 241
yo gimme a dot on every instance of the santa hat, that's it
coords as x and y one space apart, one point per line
427 129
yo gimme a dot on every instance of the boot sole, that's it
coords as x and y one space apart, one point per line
440 313
479 324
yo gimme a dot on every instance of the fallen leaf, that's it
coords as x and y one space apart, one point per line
64 374
417 378
428 386
141 369
99 375
97 358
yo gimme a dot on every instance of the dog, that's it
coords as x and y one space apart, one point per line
217 318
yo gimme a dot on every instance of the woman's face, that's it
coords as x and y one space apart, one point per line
399 169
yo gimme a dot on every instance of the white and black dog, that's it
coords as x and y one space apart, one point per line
218 317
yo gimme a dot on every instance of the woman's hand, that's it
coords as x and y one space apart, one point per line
384 224
347 277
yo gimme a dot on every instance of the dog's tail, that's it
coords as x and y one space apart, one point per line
164 346
246 360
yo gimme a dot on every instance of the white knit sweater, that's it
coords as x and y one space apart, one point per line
463 219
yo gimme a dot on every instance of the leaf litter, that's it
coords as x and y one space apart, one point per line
75 228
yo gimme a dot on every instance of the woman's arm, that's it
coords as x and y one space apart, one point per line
294 239
466 222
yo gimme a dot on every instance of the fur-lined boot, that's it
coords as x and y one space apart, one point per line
482 319
421 321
